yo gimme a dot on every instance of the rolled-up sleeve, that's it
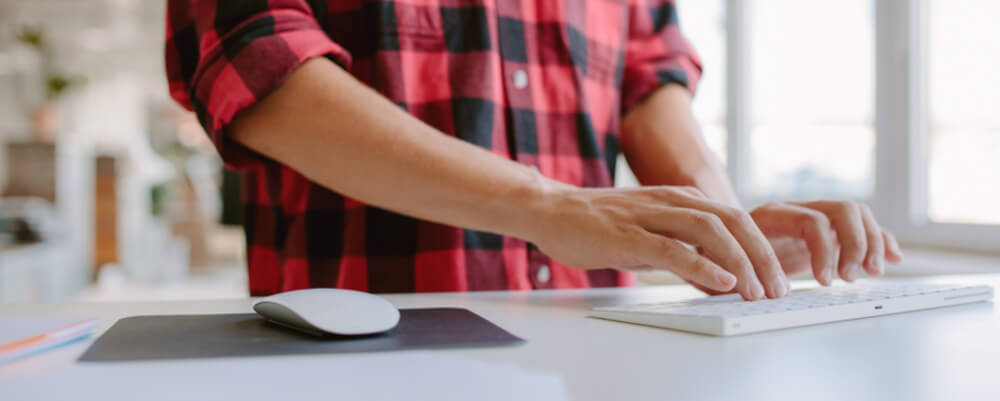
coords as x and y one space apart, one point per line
222 56
656 53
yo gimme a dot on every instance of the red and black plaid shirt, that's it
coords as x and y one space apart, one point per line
542 82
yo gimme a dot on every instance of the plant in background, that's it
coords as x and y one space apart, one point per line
31 36
56 84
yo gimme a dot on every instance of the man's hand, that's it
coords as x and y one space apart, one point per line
644 228
832 237
821 235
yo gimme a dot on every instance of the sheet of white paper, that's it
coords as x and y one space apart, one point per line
387 376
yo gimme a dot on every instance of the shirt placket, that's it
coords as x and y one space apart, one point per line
515 56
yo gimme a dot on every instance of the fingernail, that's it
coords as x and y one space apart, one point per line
851 271
879 266
757 291
828 276
725 279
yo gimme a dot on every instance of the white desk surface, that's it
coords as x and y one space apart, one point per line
943 354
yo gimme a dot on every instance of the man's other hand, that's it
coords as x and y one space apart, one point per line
832 238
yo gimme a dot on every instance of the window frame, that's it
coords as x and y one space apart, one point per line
903 119
900 195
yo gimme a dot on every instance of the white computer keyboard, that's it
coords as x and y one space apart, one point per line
725 315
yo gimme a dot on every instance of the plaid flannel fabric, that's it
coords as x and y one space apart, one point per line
542 82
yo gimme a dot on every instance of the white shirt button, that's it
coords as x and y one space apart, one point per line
543 275
520 79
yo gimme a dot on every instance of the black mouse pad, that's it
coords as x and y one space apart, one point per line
205 336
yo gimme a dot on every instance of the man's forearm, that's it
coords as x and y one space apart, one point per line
663 145
341 134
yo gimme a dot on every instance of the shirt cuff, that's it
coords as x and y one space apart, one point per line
248 64
641 81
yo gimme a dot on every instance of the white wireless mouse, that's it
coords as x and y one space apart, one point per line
327 310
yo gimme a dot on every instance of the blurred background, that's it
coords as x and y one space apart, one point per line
110 191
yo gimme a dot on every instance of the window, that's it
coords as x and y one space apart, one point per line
963 90
811 99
